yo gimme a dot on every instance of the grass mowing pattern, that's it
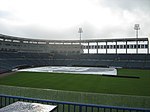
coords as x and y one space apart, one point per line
84 83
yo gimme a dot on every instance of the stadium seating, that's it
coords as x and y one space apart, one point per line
113 60
10 60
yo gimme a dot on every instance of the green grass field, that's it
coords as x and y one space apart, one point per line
84 83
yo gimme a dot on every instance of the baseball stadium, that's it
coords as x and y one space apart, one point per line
95 75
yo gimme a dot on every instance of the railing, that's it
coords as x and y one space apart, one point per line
69 106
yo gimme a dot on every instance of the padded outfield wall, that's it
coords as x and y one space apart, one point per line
82 97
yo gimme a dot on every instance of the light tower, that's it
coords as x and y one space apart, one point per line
80 32
136 28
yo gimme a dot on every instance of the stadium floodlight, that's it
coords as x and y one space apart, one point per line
80 32
136 28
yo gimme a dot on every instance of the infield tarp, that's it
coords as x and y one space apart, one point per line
74 70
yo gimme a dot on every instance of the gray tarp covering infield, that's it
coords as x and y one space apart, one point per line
74 70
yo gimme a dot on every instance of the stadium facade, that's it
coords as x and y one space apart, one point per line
10 43
124 52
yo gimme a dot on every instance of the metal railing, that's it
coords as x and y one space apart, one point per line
69 106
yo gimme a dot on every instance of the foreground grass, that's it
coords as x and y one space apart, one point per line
84 83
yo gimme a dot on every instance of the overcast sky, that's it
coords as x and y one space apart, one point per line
60 19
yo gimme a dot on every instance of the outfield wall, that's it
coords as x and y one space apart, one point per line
81 97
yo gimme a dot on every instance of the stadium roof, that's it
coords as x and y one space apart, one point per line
72 41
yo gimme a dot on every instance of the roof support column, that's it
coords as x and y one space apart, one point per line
88 47
147 46
106 48
136 46
126 48
116 47
97 47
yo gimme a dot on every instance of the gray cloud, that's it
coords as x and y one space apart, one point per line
127 4
38 32
139 9
4 14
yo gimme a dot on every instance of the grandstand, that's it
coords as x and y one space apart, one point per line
17 52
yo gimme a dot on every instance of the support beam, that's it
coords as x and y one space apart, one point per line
148 47
116 47
97 48
136 46
106 48
126 48
88 47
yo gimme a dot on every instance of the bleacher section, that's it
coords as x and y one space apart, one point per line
10 60
139 61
